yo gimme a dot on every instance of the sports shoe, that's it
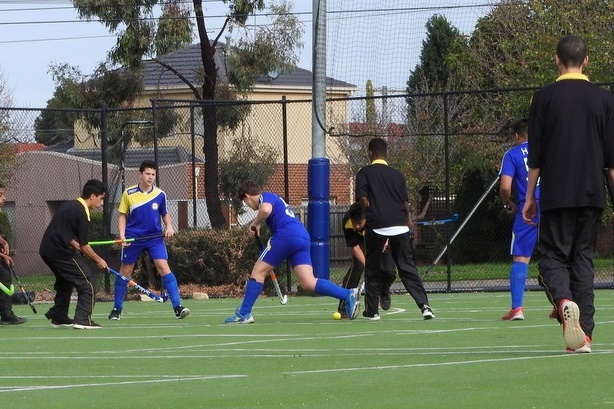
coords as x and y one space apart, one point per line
59 322
86 325
584 349
237 318
514 315
385 301
427 312
352 304
14 320
572 332
62 323
115 314
374 317
181 312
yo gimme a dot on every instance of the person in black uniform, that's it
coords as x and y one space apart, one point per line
7 317
63 248
571 141
382 192
354 233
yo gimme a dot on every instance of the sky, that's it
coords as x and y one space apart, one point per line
36 34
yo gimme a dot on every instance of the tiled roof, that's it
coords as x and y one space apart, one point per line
134 156
187 61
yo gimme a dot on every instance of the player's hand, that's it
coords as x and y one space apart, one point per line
169 232
510 208
255 228
529 211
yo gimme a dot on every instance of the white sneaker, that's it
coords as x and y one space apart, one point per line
427 312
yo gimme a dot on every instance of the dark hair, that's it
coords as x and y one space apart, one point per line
148 164
249 187
357 212
571 51
521 127
93 187
377 146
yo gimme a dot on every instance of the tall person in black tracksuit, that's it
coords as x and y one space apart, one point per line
63 248
382 191
571 141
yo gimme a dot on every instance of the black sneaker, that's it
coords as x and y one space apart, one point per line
14 320
385 301
86 325
62 323
181 312
427 312
115 314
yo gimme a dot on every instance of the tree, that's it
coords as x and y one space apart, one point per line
8 158
272 47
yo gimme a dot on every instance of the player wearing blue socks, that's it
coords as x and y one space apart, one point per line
290 240
514 174
140 210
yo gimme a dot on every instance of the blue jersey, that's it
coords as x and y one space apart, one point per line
514 165
143 211
282 220
289 239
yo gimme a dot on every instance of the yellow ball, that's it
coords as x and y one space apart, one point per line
336 315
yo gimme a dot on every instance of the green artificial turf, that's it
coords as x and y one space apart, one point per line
297 356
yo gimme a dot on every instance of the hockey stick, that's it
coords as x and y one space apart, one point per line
23 292
139 288
437 222
475 207
120 241
283 298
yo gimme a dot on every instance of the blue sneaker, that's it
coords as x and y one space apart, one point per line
352 304
237 318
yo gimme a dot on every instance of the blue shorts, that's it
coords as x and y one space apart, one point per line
154 247
524 237
297 249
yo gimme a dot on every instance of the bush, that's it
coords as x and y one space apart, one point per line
212 257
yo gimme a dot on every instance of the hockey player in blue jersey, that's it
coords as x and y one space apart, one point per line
141 209
514 173
289 240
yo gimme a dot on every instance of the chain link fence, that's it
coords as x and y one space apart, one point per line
448 145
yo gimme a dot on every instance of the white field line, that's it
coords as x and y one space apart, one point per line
6 389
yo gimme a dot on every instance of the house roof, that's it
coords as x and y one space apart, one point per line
187 61
134 156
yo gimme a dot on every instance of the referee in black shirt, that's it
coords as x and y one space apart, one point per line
383 194
571 141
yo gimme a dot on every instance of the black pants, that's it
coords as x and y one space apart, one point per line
400 248
351 279
72 273
6 301
566 247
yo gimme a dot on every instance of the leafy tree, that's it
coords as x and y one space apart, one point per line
8 159
140 34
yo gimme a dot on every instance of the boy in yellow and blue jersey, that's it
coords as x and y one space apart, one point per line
141 209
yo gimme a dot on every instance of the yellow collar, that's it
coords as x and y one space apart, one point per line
572 76
87 208
379 162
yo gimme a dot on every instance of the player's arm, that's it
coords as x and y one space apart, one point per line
88 252
505 192
168 225
358 254
264 210
529 211
121 227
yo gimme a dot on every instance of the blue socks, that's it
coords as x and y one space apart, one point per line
325 287
171 286
121 288
252 291
518 278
